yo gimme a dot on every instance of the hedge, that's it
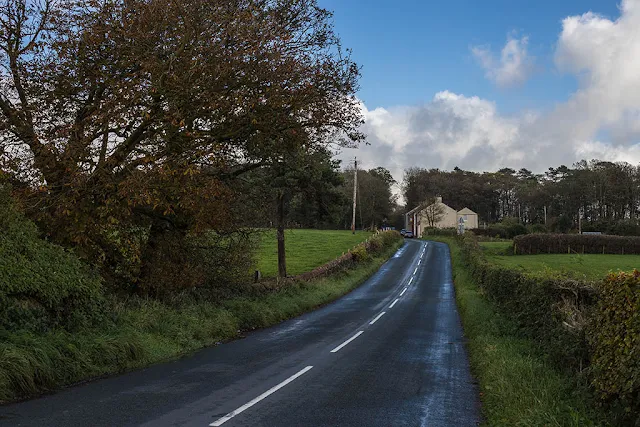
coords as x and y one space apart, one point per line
551 311
614 337
533 244
591 329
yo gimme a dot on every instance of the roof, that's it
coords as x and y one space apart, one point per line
467 211
414 210
423 207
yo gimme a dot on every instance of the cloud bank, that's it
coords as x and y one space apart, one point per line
512 68
600 120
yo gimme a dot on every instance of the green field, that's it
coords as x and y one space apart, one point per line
305 249
587 266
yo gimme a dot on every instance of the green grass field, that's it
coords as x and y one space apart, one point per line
587 266
305 249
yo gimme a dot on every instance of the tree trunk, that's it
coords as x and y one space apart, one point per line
282 261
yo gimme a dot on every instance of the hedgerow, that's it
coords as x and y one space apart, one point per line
614 337
553 310
533 244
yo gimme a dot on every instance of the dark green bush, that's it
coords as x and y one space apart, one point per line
615 343
507 229
41 285
434 231
575 243
537 228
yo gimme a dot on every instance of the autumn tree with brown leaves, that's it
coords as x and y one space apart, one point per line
125 122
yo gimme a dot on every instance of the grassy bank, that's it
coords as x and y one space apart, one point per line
581 266
518 385
305 249
142 332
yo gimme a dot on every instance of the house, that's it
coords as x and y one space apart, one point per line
438 215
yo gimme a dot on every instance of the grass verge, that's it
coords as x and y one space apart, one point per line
518 386
144 332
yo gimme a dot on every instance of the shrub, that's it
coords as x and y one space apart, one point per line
579 243
538 228
615 342
507 229
434 231
41 285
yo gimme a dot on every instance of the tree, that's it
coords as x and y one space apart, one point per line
433 211
124 114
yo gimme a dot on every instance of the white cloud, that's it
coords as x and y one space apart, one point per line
605 55
600 120
512 68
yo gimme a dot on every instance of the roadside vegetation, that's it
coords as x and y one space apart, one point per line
59 325
577 333
519 384
306 249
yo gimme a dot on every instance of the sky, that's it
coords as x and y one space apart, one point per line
489 84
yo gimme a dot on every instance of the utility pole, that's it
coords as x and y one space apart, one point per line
355 187
545 214
579 221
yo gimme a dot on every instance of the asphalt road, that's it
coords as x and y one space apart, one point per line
391 353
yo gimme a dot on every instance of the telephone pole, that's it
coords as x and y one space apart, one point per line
355 187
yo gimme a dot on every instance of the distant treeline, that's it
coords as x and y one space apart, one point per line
593 195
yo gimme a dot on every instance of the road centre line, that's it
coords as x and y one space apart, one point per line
410 280
338 348
377 317
415 271
394 303
402 293
248 405
419 261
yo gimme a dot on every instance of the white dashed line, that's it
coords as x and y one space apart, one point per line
402 293
394 303
338 348
377 317
246 406
419 261
410 280
415 271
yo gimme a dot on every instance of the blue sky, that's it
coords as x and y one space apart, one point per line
489 84
410 50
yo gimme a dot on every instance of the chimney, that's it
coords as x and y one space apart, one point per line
438 199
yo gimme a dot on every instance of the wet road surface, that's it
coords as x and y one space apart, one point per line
390 353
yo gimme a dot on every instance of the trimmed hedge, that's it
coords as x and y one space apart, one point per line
533 244
614 336
551 311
